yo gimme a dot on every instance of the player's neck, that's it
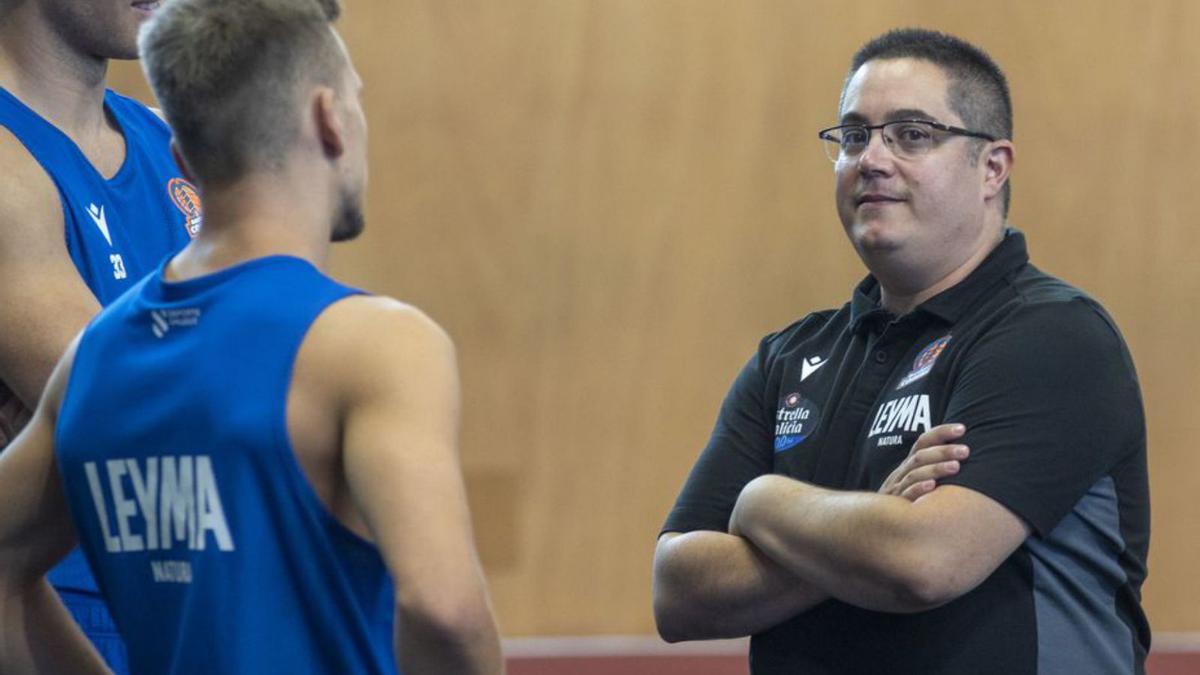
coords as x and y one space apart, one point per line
254 219
52 77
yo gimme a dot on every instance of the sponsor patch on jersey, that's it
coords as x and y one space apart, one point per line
906 414
163 320
924 361
187 200
795 420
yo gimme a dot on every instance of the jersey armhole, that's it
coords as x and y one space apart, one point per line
283 440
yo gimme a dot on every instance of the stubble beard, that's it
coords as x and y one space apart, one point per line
350 220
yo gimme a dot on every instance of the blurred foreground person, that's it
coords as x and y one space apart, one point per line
260 464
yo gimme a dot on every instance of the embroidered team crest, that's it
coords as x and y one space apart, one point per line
186 200
795 420
924 361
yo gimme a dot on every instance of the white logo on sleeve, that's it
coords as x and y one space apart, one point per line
97 214
810 365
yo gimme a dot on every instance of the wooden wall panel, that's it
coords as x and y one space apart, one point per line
608 202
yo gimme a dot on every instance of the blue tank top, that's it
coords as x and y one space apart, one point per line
210 546
116 230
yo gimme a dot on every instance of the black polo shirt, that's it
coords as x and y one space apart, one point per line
1040 376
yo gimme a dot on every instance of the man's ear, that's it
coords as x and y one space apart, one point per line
327 122
998 164
181 163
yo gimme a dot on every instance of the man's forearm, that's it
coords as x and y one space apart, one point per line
38 636
460 640
856 546
711 585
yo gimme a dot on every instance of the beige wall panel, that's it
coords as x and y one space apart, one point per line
608 203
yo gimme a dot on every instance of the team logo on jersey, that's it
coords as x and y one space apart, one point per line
186 200
925 360
795 420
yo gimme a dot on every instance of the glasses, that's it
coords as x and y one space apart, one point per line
906 139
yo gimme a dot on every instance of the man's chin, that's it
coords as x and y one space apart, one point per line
875 236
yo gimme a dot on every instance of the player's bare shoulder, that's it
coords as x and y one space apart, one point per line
375 341
381 323
30 212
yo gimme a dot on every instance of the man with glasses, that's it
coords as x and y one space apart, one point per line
835 514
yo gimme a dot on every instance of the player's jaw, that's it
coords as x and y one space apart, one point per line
126 18
349 224
107 29
349 220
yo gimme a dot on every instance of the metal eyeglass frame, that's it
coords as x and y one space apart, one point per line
827 134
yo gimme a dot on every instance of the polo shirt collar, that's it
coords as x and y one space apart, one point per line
952 303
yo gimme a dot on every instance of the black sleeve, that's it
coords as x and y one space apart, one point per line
738 451
1051 404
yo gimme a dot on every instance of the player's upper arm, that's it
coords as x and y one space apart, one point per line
35 523
400 450
43 301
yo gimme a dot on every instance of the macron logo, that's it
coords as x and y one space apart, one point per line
810 365
97 214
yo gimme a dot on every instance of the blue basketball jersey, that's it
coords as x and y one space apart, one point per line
214 553
116 230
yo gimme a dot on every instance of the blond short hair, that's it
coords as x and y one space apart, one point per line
227 74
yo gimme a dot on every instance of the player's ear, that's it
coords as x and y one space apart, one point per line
182 163
328 124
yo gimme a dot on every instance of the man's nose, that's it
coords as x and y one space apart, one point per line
877 156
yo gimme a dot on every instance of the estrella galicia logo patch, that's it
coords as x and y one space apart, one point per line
795 420
924 361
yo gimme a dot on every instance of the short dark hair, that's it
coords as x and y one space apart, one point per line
226 74
978 90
